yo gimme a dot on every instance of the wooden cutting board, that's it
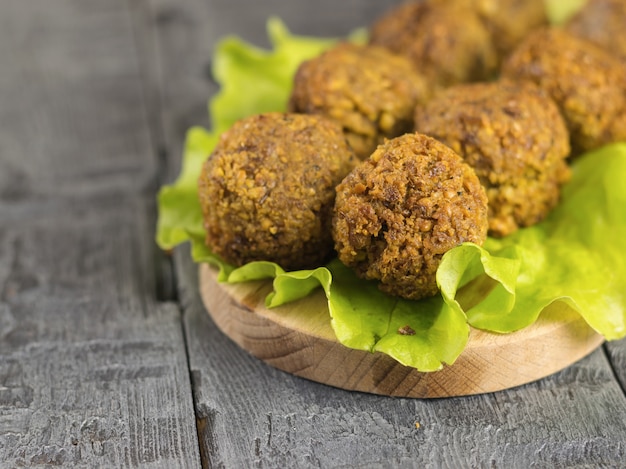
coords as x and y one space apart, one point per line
297 338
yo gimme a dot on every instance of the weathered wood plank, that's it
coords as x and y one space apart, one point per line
251 415
322 18
71 101
93 371
616 352
172 101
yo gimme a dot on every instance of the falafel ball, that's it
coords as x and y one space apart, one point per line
515 139
509 21
398 212
586 82
267 190
602 22
446 41
370 91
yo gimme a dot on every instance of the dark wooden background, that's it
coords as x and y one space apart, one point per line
107 356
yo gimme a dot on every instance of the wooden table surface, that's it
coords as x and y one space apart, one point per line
107 356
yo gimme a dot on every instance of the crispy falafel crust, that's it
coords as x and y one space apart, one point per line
515 139
267 190
446 41
371 92
509 21
602 22
587 83
399 211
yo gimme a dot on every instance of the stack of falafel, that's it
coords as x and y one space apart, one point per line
456 121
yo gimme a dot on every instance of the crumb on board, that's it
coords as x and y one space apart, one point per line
406 330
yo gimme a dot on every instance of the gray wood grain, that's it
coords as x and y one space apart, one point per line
250 415
247 18
172 101
93 371
616 352
71 100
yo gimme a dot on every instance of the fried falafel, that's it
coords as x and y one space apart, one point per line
587 83
603 23
267 190
446 41
514 137
399 211
509 21
370 91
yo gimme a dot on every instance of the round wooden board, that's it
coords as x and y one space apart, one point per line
298 339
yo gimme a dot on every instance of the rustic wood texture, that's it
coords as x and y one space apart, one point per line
93 370
95 98
71 101
298 338
616 353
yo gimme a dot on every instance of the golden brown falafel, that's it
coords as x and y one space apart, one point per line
515 139
509 21
267 190
586 82
446 41
602 22
368 90
398 212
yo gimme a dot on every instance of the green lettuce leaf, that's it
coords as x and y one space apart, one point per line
180 215
574 256
559 11
255 79
364 318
